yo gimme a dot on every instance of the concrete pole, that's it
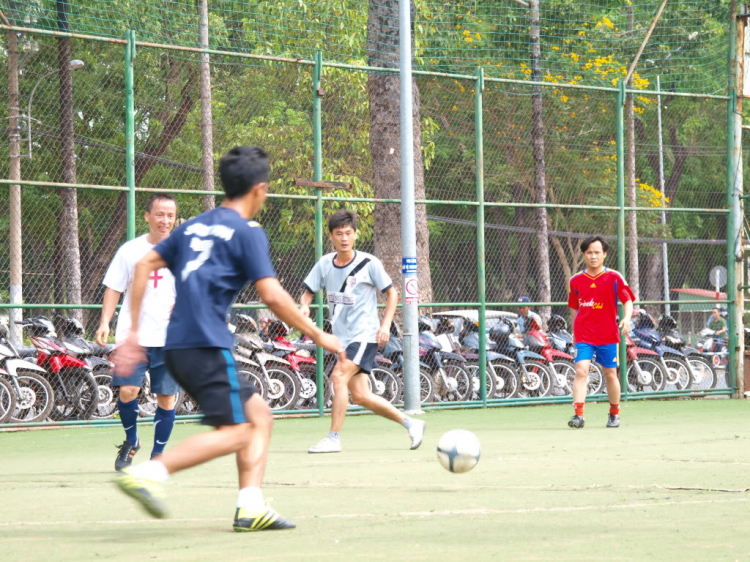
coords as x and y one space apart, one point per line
409 291
664 251
207 133
16 235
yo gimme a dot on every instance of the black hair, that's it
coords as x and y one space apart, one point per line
159 197
342 217
242 168
591 239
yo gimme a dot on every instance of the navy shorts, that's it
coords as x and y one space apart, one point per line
362 354
161 381
210 376
606 355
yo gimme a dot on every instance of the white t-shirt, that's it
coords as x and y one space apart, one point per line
157 301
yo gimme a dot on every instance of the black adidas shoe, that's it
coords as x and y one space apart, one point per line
613 421
125 455
576 422
268 520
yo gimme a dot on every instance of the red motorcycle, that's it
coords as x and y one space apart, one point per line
561 364
76 390
645 372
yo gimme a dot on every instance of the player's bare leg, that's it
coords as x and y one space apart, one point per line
580 384
342 374
251 460
363 396
613 393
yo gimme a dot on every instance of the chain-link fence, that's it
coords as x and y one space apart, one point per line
558 165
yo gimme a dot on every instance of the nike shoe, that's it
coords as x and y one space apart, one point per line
326 445
149 493
576 422
416 432
125 455
269 520
613 421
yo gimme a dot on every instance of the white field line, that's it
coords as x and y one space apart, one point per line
441 513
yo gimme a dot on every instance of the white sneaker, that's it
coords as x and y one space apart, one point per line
326 445
416 432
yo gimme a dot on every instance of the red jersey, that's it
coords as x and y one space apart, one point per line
595 299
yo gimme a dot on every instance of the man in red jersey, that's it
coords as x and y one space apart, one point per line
593 295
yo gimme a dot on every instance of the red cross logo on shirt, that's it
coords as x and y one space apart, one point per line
155 277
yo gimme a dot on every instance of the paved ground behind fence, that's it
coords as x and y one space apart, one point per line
670 484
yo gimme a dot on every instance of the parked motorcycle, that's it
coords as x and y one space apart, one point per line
76 392
452 381
703 371
534 378
677 371
645 368
714 347
72 335
561 364
32 397
394 352
562 340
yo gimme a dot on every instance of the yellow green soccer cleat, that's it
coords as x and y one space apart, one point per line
148 493
269 520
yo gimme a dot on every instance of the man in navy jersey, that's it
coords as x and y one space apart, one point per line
212 257
594 293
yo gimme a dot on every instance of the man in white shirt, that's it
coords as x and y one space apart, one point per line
351 280
161 212
525 316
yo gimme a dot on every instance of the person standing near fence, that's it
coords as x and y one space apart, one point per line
593 296
351 280
161 213
213 256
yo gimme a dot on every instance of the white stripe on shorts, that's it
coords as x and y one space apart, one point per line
357 360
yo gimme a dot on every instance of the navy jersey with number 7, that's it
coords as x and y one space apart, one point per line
212 257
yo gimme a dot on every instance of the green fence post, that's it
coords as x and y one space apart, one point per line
130 133
318 176
732 169
620 116
481 288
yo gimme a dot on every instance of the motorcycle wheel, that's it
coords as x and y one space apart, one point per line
254 376
386 384
476 382
80 397
506 380
652 367
283 389
36 399
678 375
595 381
8 400
705 368
534 381
108 394
426 387
562 372
463 388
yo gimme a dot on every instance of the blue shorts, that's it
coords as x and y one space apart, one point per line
606 355
363 355
161 381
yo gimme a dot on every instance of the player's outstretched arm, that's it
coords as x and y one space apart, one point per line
305 300
111 298
628 313
283 306
391 304
130 353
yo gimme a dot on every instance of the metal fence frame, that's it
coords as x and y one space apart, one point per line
478 80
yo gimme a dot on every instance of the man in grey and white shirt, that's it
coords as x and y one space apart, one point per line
351 280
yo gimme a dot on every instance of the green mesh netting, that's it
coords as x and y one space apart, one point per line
582 41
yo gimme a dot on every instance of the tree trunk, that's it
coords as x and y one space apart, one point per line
385 149
654 286
68 227
544 293
207 134
633 269
16 217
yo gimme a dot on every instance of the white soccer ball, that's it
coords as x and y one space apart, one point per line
458 451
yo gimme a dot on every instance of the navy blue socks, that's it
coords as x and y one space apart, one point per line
163 424
129 418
